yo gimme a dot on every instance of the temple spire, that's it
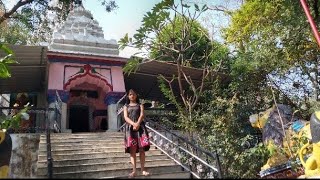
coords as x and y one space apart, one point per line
82 34
78 3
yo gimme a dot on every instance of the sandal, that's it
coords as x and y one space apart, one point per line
145 173
132 175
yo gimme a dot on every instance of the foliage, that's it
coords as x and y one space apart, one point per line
223 128
274 47
13 121
4 61
171 32
132 65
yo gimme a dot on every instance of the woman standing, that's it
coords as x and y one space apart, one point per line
136 135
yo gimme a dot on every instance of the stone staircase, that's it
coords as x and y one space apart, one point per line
100 155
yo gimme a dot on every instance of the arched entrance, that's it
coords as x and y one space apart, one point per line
80 110
86 106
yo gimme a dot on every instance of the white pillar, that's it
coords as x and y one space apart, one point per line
112 117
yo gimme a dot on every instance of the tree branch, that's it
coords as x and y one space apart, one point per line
14 9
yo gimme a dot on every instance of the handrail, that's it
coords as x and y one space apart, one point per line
121 98
185 149
196 171
56 126
182 138
121 127
49 157
182 148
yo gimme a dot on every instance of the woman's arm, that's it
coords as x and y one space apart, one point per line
140 119
126 118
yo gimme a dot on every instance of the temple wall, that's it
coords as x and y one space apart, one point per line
59 73
118 79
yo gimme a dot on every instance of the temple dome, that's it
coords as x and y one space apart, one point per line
81 34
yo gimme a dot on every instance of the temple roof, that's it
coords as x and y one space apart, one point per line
81 34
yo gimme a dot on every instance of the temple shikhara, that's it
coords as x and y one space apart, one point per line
86 70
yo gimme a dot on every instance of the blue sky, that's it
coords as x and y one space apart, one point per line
126 19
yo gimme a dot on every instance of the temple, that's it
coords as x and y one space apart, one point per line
86 70
82 72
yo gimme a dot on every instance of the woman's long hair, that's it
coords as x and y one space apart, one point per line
127 97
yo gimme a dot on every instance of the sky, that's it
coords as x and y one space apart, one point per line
127 18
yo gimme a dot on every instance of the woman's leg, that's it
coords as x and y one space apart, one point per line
142 162
133 159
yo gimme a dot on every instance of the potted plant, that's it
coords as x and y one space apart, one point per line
7 122
7 125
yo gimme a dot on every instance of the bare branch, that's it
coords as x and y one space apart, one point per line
218 8
14 9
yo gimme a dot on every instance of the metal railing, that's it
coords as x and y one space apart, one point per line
200 163
56 127
37 122
41 120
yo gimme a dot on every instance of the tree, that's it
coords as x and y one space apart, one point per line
171 37
171 32
272 41
218 114
14 13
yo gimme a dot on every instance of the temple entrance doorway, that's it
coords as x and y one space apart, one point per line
79 118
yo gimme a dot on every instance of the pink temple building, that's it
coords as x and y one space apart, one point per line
86 71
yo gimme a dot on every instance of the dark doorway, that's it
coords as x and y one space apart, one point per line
78 118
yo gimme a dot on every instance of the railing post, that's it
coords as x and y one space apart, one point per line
49 158
218 164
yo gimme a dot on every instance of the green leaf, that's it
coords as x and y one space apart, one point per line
132 65
6 49
4 72
123 42
196 7
186 5
204 8
8 60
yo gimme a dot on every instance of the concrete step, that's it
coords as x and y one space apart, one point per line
121 153
82 137
153 169
92 143
56 146
97 160
100 155
88 149
82 150
43 146
104 166
98 134
81 141
171 175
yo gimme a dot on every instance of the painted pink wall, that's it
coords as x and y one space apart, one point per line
55 79
118 79
56 75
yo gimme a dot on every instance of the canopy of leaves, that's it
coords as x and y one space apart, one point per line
272 37
173 32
